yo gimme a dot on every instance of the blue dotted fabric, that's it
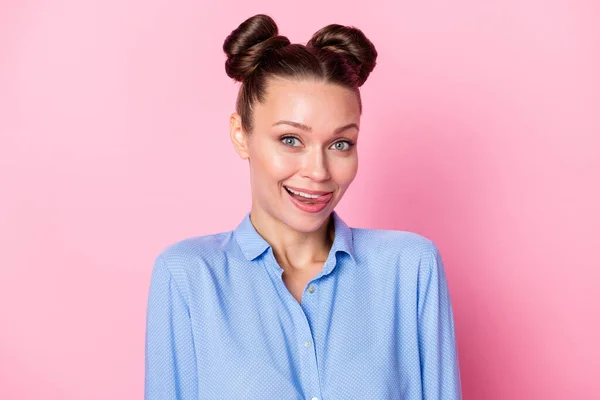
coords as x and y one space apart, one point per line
375 323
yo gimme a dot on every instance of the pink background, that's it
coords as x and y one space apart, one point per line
480 131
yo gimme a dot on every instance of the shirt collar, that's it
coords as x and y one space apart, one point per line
253 245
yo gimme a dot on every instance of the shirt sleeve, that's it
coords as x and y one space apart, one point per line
438 354
170 363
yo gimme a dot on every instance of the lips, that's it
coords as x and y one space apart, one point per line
324 197
310 205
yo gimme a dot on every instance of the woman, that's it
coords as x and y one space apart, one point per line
293 303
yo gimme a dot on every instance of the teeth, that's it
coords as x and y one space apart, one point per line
308 196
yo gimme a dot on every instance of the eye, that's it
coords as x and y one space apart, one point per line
289 140
342 145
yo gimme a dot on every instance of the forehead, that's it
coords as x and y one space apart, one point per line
324 106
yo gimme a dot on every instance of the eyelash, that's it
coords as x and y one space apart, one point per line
350 143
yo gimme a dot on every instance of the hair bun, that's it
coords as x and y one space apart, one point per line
249 43
349 42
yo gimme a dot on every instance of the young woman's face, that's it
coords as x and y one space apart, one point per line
304 138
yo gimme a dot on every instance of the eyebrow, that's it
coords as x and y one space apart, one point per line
309 129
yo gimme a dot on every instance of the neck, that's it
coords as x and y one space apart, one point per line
292 248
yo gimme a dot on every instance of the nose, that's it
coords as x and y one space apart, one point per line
315 166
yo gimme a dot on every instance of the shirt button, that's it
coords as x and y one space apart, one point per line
311 289
314 398
308 343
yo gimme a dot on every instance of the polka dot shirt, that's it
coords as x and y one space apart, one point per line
375 323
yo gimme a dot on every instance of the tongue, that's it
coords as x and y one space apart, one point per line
321 199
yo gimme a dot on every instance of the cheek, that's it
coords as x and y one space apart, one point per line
274 165
283 164
343 171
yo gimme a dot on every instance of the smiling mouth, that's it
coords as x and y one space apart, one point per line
309 198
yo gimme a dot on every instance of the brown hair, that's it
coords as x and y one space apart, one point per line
255 52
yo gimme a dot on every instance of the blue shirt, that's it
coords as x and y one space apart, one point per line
375 323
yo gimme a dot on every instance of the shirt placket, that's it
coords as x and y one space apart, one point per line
304 315
310 308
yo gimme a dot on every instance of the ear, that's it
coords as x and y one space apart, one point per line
238 136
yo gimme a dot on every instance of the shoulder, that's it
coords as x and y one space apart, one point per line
185 258
393 252
392 242
395 258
